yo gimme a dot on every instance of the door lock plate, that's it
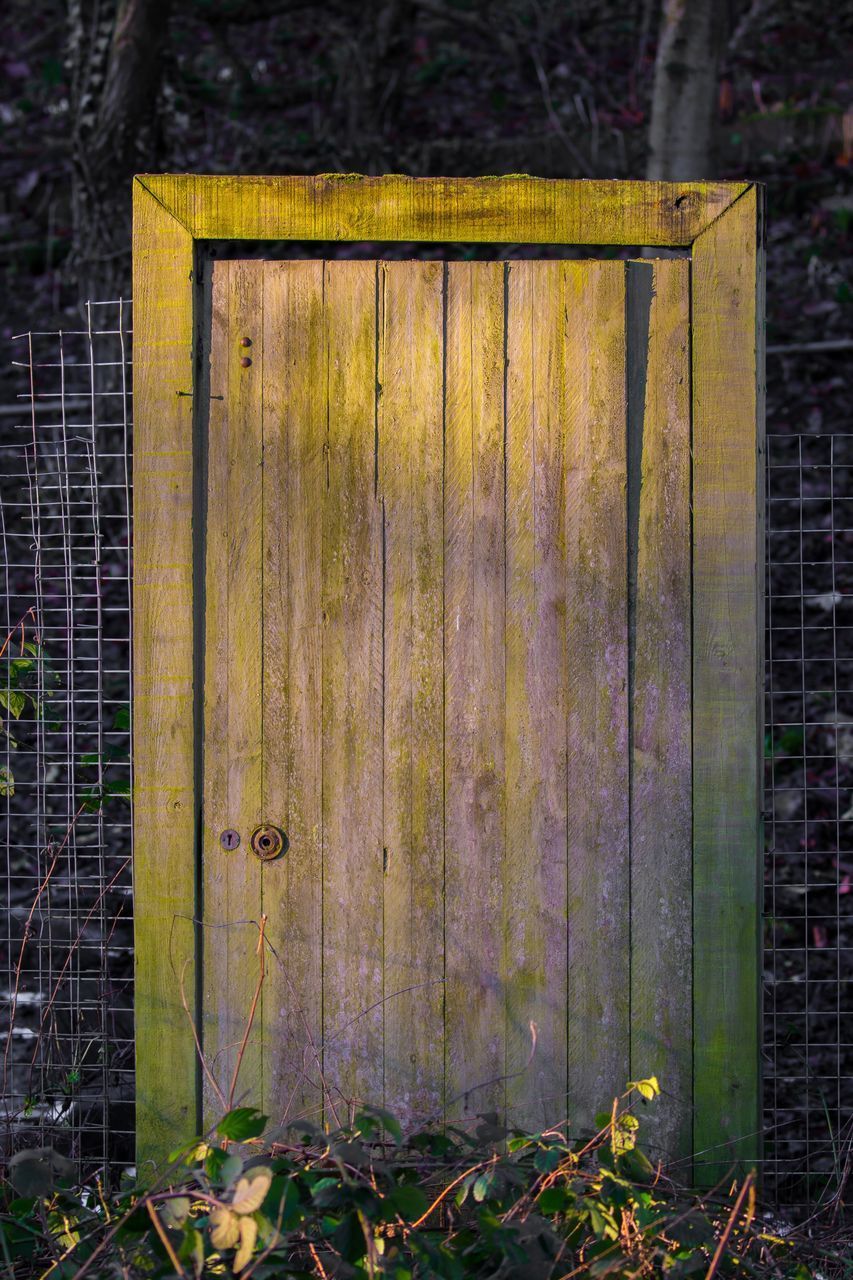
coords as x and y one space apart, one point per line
269 842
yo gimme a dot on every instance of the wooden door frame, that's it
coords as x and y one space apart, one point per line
722 225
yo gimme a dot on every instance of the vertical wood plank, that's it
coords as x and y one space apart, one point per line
597 644
164 810
474 688
294 487
410 443
233 697
536 708
352 695
728 559
659 621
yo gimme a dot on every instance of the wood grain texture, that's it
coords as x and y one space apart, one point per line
727 685
514 208
536 708
411 480
352 695
164 799
597 644
318 589
659 622
295 377
475 1048
233 684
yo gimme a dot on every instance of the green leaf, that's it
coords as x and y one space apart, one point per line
484 1185
90 799
230 1169
547 1161
552 1200
7 781
242 1123
33 1171
518 1144
192 1250
647 1089
325 1192
465 1186
283 1203
408 1201
636 1165
121 719
349 1239
389 1122
175 1211
14 701
351 1153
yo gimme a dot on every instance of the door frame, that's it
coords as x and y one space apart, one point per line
175 218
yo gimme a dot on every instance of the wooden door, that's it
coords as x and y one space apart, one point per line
446 650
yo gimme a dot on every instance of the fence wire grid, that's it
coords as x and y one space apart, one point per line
66 946
66 965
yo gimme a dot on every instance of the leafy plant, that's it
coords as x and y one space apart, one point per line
95 794
365 1201
26 681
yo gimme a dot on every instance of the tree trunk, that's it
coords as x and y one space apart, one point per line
684 94
115 52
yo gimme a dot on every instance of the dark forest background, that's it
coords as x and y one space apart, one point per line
95 90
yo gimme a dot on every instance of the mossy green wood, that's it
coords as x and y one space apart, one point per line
164 809
352 673
728 635
173 211
231 882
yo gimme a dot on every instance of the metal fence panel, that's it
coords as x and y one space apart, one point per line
66 944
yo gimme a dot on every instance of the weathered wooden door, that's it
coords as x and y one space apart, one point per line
447 653
451 573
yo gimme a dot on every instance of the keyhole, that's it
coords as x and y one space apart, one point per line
230 839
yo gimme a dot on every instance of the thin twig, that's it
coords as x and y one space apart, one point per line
164 1239
250 1020
317 1263
75 944
205 1068
19 626
481 1164
729 1227
26 933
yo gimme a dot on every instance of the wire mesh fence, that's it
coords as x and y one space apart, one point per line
66 945
65 950
808 968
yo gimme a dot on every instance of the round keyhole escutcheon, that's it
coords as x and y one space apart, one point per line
229 839
269 842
